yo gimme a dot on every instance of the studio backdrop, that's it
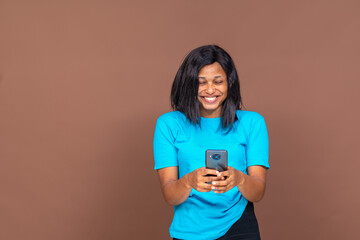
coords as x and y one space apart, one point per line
83 82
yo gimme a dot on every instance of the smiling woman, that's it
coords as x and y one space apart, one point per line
207 115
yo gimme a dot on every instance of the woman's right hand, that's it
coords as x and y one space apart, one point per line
197 179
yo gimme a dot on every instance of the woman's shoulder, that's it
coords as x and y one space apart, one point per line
248 116
249 120
171 118
173 115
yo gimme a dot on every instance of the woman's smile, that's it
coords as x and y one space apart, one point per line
211 99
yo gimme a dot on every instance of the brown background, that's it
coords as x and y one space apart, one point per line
82 83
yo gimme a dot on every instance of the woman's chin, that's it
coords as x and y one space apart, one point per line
213 111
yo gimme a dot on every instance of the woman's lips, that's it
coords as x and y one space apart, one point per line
210 99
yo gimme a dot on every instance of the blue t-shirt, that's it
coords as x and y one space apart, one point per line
177 142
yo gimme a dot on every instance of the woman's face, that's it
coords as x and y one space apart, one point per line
212 90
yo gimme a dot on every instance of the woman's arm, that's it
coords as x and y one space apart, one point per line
176 191
251 186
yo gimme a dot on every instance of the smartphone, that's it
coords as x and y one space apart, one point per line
216 159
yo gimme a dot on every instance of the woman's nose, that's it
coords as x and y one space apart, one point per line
210 89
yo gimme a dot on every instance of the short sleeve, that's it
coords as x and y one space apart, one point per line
165 152
257 150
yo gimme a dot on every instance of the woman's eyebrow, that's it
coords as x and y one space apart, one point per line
216 77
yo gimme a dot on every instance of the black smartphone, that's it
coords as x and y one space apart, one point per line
216 159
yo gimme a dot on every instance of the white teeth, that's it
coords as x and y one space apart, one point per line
210 99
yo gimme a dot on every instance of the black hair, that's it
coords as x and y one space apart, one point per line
184 91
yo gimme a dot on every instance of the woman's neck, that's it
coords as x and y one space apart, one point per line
210 113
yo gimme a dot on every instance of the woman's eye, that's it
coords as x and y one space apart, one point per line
218 82
201 83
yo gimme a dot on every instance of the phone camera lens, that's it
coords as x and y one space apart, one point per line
216 156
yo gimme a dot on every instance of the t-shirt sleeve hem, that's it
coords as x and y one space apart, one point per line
156 167
259 163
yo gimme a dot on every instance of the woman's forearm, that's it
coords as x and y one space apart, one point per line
251 187
176 191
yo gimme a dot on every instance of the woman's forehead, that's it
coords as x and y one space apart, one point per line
212 69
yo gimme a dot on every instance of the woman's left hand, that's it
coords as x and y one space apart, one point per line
230 178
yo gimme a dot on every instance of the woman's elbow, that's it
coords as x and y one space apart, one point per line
170 201
258 196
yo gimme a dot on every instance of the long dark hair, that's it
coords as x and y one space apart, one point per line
184 91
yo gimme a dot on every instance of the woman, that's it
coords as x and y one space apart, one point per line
207 114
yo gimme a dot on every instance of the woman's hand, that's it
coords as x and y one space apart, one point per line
197 179
251 185
228 179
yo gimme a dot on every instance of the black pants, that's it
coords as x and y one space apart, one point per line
246 228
